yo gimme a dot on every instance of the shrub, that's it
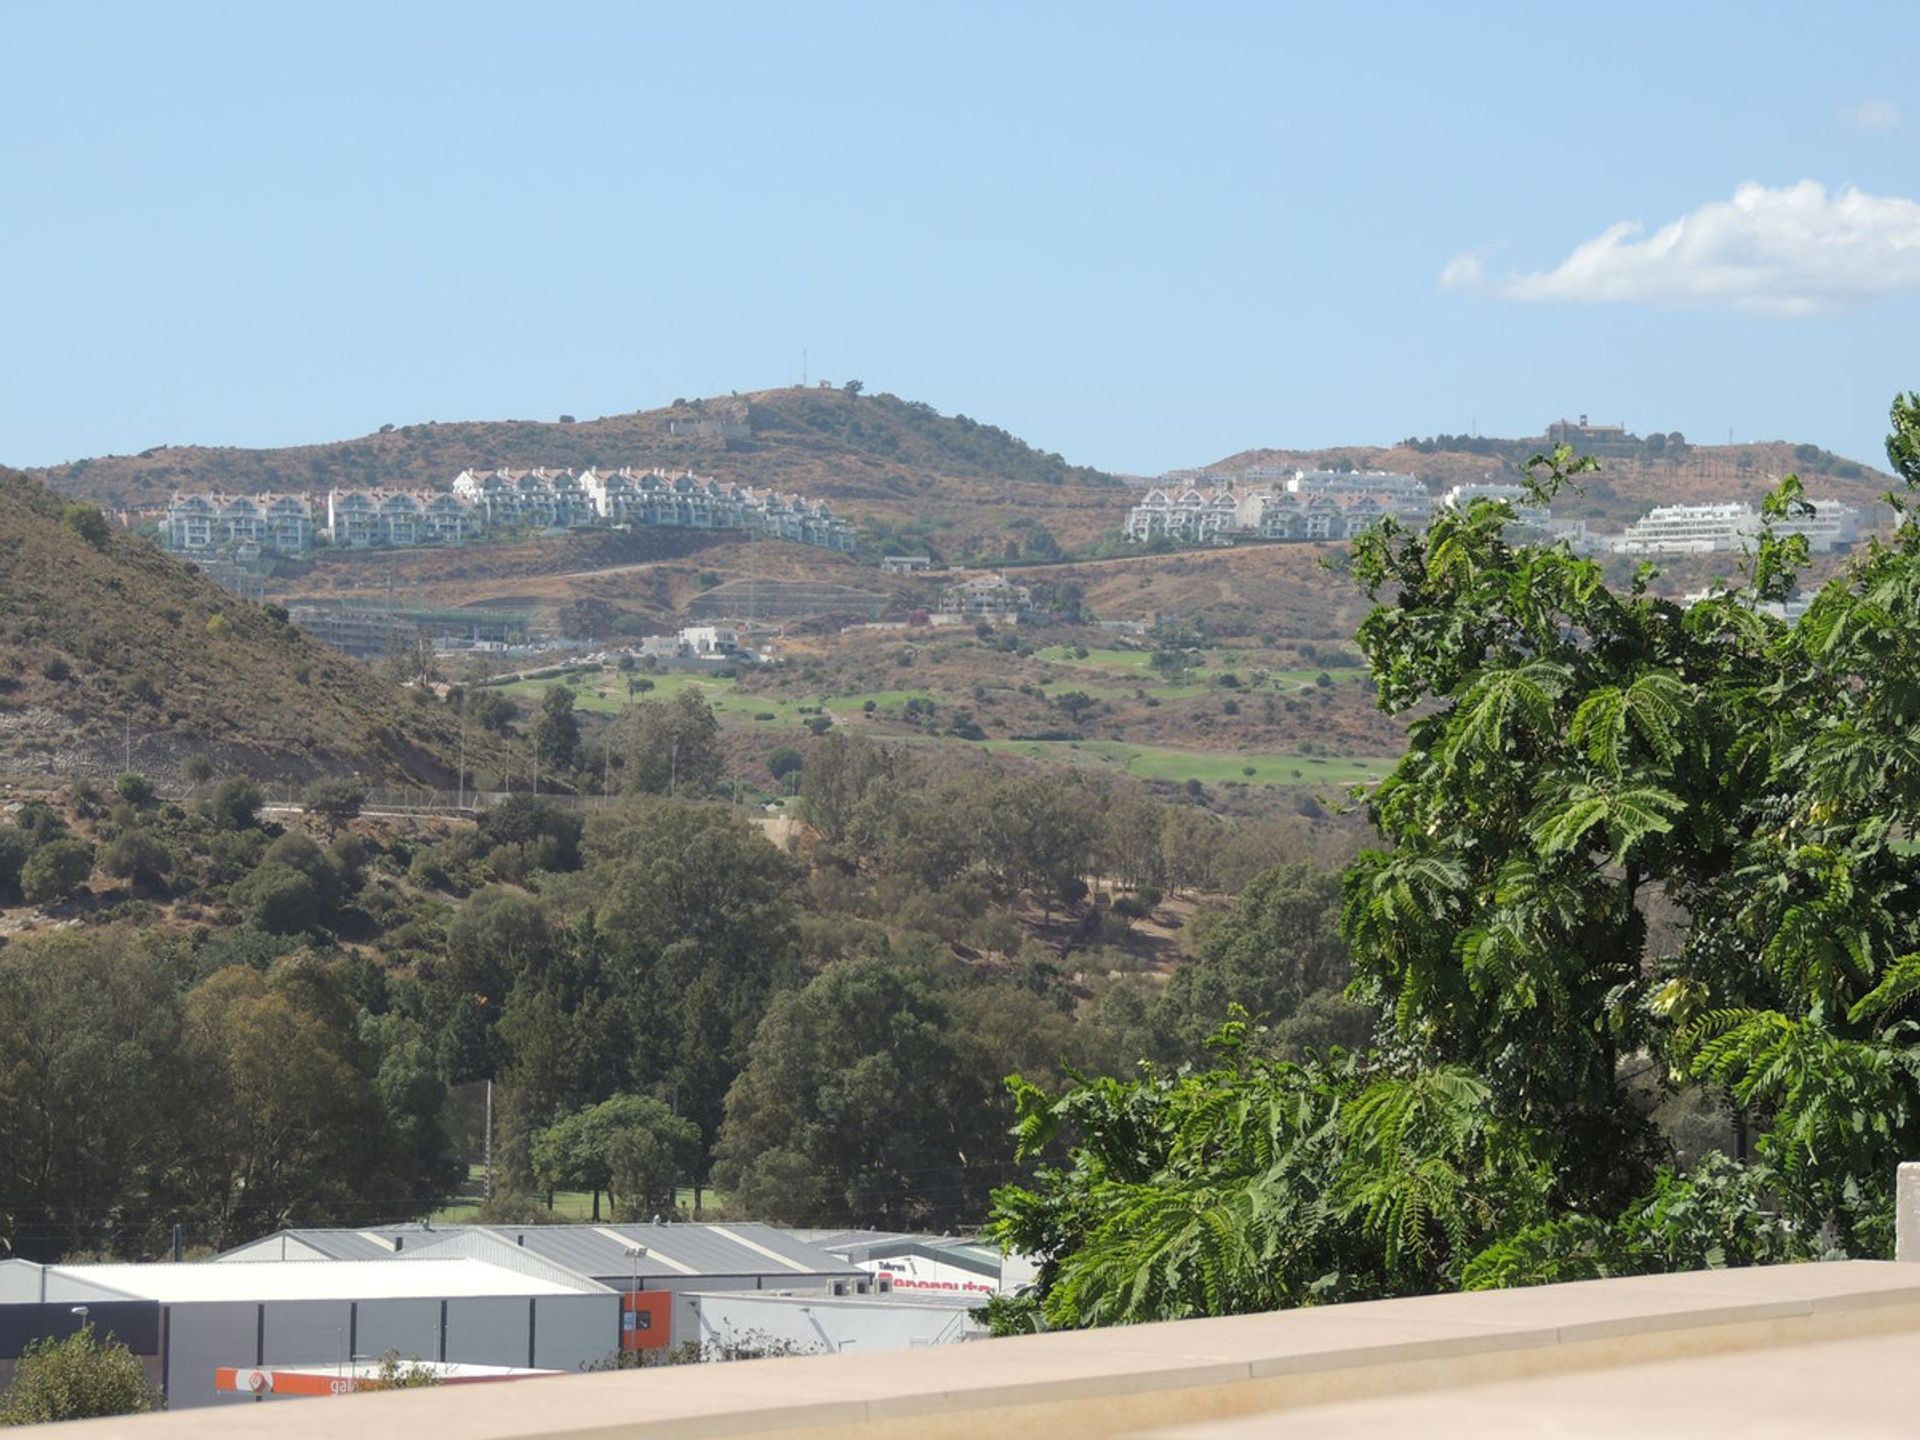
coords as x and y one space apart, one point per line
15 846
199 769
88 523
136 790
784 762
76 1378
279 899
56 871
56 668
139 856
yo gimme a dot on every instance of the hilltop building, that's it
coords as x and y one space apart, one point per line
1591 439
905 564
271 523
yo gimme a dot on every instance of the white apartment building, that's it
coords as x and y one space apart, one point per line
358 518
272 523
1192 516
1283 505
652 497
1705 529
539 499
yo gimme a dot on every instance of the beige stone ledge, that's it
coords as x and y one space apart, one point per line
1860 1389
1091 1385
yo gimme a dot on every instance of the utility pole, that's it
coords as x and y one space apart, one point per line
488 1142
460 801
128 767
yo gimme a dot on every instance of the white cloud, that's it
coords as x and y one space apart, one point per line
1874 113
1790 251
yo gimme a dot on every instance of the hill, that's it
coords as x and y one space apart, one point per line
107 644
906 472
1626 484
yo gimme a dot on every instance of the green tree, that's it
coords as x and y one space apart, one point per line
1278 944
56 871
631 1146
673 746
859 1106
88 523
336 802
79 1012
698 924
139 856
136 790
289 1116
234 805
15 846
279 899
77 1378
556 730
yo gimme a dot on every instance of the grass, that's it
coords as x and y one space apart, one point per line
568 1205
1162 762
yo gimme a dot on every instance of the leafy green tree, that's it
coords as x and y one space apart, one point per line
279 899
56 871
556 730
77 1378
15 846
139 856
631 1146
673 746
288 1110
79 1012
234 805
198 769
88 523
1279 944
859 1106
336 802
698 924
549 834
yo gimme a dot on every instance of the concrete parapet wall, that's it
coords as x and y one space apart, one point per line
1093 1384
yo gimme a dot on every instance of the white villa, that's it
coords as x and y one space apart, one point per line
272 523
986 597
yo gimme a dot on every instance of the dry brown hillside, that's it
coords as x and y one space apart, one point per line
106 643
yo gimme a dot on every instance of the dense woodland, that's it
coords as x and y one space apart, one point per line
238 1021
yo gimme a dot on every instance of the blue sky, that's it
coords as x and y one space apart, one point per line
1143 235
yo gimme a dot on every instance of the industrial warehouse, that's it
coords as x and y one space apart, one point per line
305 1312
